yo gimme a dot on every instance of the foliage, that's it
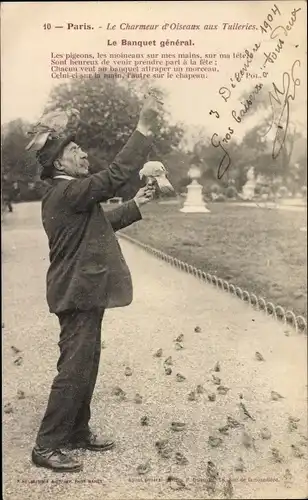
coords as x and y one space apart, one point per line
231 192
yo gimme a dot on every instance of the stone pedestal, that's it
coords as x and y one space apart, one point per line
194 202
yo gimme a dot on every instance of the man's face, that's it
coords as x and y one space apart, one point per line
73 161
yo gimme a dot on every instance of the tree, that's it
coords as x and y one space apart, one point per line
109 112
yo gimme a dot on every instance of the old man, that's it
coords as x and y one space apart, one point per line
87 275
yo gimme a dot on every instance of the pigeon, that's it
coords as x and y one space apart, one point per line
197 329
20 394
222 389
163 448
179 346
211 470
176 483
18 361
192 396
52 125
168 361
259 356
162 443
297 452
144 468
224 429
116 391
265 433
103 346
199 389
292 423
217 367
228 489
277 455
128 372
180 459
144 420
304 440
158 353
216 380
247 440
214 442
240 395
178 426
288 478
180 338
168 370
15 349
138 399
246 412
232 423
276 396
180 378
8 408
239 465
212 397
156 174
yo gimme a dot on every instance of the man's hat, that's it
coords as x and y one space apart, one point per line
50 152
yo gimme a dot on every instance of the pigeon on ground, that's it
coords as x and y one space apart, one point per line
276 396
265 433
180 338
8 408
180 458
239 465
155 173
224 429
297 452
138 399
246 412
178 426
211 477
228 489
168 361
212 396
179 346
15 349
168 370
116 391
20 394
180 378
197 329
176 483
128 372
276 455
158 353
216 380
292 423
192 396
222 389
232 423
217 367
144 468
144 420
214 442
52 125
163 448
161 443
199 389
259 356
18 361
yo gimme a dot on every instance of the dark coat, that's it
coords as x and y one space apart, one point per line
87 269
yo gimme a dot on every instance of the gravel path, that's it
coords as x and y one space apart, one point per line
167 303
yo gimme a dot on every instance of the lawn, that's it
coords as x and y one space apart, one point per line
260 250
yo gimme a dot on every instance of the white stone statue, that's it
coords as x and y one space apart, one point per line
248 190
194 202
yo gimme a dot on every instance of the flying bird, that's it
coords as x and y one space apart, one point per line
156 174
15 349
246 412
259 356
276 396
52 125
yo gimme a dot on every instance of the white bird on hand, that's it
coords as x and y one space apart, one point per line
52 124
155 172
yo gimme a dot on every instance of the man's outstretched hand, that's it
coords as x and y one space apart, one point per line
144 195
152 106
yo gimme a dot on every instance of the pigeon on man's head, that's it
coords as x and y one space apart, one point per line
156 173
52 125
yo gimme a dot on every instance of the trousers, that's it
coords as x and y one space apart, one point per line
68 409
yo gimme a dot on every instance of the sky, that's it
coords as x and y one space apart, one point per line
26 51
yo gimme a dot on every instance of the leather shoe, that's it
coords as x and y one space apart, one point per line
54 459
93 443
